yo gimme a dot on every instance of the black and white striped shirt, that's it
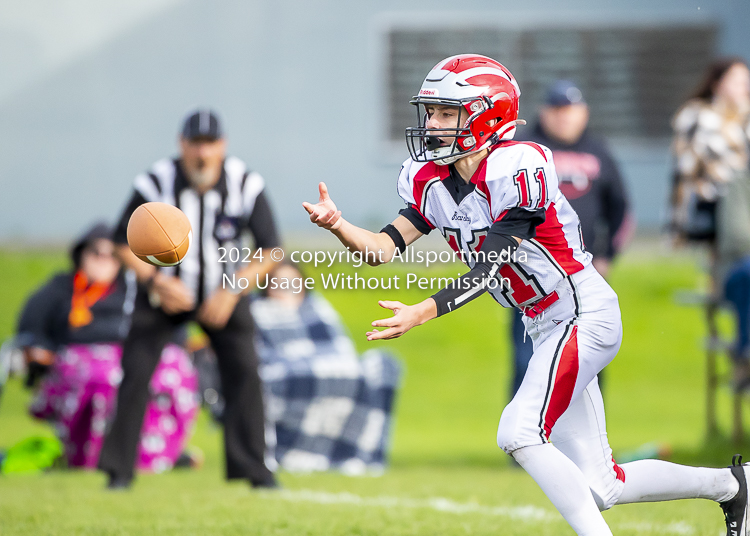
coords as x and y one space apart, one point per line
221 217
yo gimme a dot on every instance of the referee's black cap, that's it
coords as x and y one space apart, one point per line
202 124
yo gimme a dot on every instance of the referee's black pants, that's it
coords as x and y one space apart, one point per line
244 439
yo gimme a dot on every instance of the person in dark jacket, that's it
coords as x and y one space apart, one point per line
61 313
590 180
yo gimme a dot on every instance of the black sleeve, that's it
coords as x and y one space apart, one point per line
261 224
416 219
614 203
40 324
476 281
519 222
121 231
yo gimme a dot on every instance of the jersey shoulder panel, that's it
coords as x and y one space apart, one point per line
525 147
517 174
415 180
405 190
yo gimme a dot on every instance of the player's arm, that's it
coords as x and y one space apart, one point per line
384 244
505 235
459 292
378 247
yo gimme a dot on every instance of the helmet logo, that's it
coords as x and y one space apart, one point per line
429 92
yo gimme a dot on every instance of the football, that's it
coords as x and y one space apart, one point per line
159 234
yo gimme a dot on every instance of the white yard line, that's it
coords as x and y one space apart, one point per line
441 504
669 528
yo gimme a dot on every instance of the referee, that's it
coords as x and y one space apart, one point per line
225 202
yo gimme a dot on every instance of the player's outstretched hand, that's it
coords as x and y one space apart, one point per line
405 317
324 213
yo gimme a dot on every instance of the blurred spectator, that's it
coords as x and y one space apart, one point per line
710 198
226 205
71 332
328 408
710 147
296 324
589 179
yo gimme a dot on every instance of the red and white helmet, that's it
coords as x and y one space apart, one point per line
484 88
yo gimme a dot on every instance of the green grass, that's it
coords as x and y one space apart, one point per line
454 389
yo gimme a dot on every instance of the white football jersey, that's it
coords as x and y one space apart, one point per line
514 175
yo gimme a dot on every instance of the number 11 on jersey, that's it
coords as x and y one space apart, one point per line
521 179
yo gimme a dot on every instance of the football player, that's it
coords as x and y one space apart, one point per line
490 196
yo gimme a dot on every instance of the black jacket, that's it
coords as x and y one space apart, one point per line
44 320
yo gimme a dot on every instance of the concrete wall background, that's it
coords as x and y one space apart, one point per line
91 94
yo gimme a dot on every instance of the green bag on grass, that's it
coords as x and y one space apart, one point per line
32 455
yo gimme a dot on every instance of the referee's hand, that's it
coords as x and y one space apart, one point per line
174 296
217 308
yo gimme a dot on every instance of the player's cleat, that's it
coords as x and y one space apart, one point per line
736 508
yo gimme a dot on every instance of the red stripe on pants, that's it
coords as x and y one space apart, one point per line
565 382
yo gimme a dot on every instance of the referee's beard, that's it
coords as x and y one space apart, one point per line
203 179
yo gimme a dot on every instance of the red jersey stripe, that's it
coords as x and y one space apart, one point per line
550 235
480 179
501 215
427 172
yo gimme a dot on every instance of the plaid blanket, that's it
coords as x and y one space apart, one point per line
329 409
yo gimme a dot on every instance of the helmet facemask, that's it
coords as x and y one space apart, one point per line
446 145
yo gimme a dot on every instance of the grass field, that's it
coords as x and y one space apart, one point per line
446 476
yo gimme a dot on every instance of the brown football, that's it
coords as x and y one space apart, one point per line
159 234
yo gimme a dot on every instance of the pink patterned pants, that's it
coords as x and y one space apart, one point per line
79 395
